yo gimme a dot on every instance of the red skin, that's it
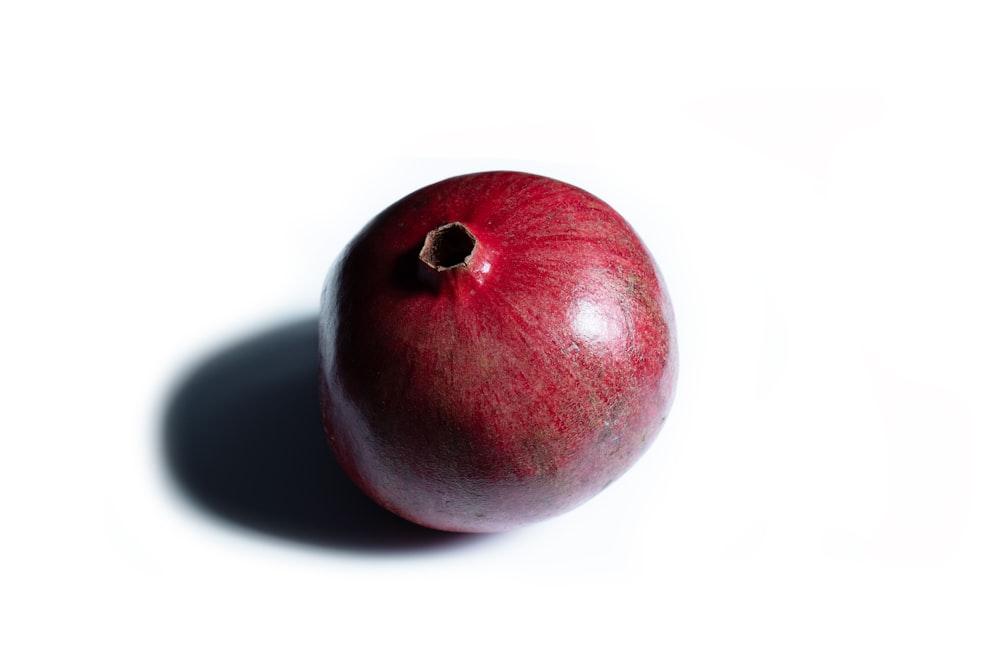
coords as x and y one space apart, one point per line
508 390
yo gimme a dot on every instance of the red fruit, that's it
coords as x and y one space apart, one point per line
495 349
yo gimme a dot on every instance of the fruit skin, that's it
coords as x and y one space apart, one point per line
506 389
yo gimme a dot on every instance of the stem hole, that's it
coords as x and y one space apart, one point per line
448 247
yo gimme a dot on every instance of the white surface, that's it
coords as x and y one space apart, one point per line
818 182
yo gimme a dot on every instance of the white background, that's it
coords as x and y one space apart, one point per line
818 182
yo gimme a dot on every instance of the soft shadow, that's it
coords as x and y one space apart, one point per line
243 440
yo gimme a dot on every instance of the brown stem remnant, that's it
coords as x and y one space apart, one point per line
448 247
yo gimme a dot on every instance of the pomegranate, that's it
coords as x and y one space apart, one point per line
495 349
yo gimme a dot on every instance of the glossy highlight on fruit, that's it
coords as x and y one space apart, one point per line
495 349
